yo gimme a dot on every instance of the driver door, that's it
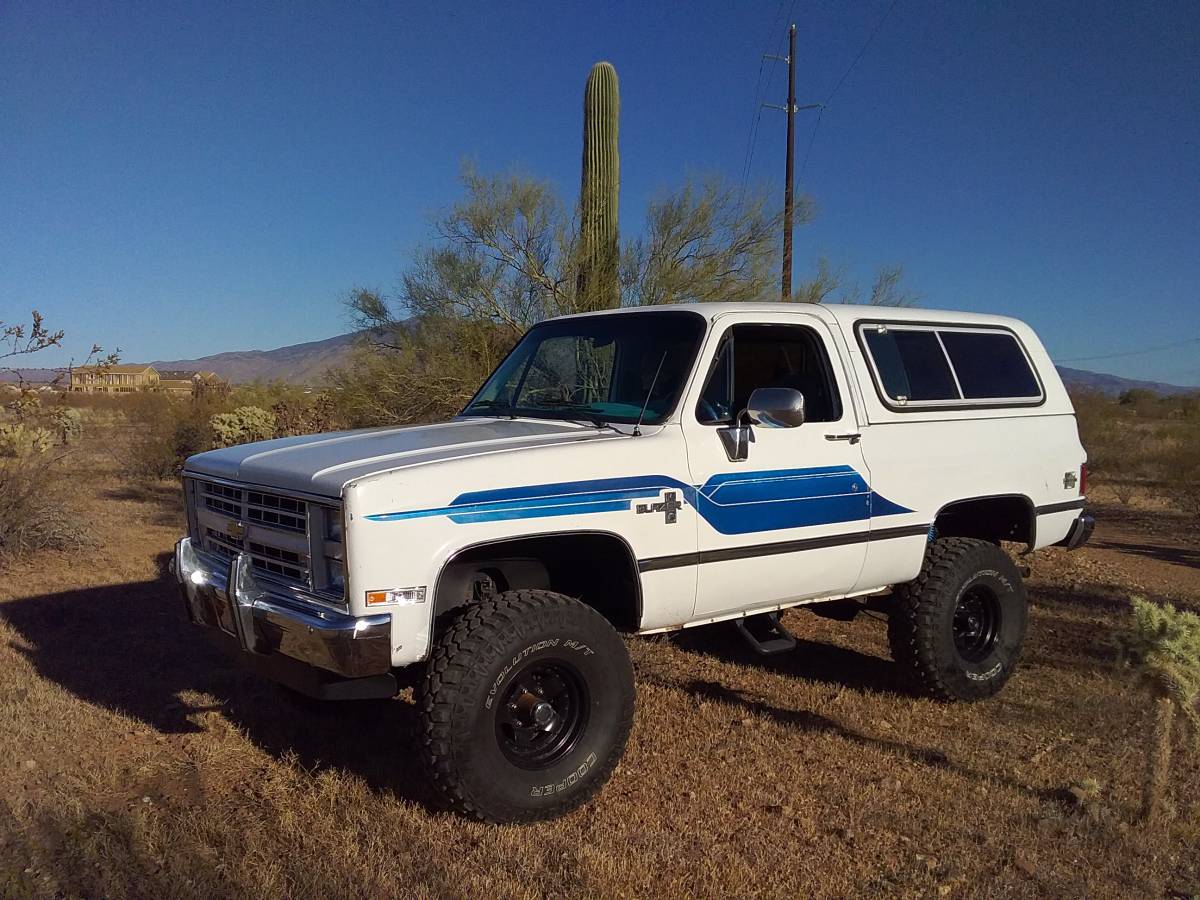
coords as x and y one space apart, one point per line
790 521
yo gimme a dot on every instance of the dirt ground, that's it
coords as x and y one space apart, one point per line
138 760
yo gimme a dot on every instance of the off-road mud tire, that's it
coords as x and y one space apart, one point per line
921 620
484 651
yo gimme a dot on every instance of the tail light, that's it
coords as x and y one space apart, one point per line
1083 480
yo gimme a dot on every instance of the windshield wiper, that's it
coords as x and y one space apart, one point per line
593 420
500 409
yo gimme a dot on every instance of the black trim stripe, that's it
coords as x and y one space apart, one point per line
655 563
1061 507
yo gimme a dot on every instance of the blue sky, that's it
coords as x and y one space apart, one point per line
183 179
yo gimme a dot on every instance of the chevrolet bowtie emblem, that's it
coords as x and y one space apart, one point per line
236 530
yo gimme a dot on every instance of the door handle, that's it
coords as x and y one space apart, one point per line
853 437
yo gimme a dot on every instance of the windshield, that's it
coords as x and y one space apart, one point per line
596 368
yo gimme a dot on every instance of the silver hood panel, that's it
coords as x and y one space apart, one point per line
322 463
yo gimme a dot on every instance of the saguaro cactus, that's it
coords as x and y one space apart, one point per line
600 190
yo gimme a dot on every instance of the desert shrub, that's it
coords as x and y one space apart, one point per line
1125 490
1182 471
429 374
35 508
1143 442
160 449
305 414
21 441
242 426
66 423
265 394
148 407
166 432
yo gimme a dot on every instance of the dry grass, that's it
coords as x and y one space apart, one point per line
138 760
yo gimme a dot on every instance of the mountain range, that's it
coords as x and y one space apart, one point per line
296 364
307 363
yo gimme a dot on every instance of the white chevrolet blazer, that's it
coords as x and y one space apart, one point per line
639 471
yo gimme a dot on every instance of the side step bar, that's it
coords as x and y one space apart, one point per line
765 634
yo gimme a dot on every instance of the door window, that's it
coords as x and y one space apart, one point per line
754 356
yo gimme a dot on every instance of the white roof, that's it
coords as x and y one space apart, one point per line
843 313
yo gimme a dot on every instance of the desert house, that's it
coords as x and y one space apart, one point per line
120 379
192 383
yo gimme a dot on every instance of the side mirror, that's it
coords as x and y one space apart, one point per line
769 407
776 407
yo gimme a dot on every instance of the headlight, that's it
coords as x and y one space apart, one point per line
336 575
187 566
333 525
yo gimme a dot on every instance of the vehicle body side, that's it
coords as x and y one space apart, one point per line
654 507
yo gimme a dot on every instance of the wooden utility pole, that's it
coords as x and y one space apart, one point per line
789 176
790 165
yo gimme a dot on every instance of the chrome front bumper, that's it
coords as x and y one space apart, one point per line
269 624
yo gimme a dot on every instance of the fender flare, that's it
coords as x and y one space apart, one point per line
1029 505
572 532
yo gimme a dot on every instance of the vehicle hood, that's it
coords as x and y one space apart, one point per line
323 463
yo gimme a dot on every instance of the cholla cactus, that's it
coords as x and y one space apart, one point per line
242 426
1163 647
23 441
67 423
600 190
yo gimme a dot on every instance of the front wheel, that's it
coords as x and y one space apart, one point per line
526 707
959 626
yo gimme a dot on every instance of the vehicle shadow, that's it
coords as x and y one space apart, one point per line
129 648
1180 556
803 720
810 660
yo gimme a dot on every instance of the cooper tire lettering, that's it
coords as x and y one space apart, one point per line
501 670
958 627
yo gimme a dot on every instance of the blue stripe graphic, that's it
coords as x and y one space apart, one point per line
732 503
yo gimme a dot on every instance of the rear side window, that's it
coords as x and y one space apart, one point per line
911 365
948 366
990 365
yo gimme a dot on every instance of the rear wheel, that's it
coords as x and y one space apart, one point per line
958 627
526 707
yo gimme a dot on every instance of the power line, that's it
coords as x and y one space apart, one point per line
811 140
837 87
1195 340
756 110
760 92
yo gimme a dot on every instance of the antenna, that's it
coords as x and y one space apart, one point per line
637 429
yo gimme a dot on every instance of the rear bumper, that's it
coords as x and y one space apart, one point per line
225 596
1080 531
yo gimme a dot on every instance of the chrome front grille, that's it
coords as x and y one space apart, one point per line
279 562
215 541
281 534
284 513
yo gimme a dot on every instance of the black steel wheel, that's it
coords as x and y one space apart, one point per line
957 629
525 708
542 714
976 624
